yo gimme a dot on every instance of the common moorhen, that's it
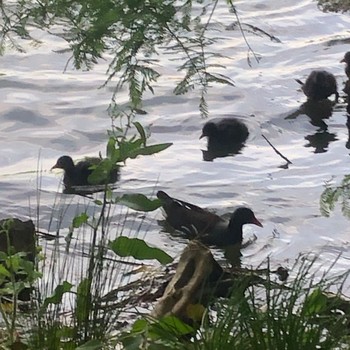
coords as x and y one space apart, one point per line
78 174
319 85
346 59
225 137
208 227
225 131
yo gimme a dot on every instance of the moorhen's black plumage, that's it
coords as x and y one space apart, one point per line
225 131
78 174
346 59
319 85
208 227
225 137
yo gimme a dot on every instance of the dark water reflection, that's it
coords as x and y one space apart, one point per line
218 151
318 112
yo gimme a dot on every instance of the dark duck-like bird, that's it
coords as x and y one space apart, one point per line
319 85
78 174
225 137
346 59
208 227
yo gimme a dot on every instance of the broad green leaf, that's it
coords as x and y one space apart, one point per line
139 326
91 345
139 202
138 249
57 295
4 271
315 303
111 148
80 220
141 131
101 172
148 150
171 324
133 342
127 148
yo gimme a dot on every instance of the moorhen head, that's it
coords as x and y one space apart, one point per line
346 59
208 227
78 174
319 85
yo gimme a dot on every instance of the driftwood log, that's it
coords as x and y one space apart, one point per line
196 277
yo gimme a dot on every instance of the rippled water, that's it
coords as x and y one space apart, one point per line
47 113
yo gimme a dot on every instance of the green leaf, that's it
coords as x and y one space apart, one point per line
57 295
139 202
148 150
83 300
79 220
91 345
141 131
4 271
315 303
169 324
138 249
139 326
111 148
133 342
101 172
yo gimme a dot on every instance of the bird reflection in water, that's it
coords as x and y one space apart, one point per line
233 253
347 91
226 137
318 112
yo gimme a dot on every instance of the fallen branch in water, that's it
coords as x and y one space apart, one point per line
276 150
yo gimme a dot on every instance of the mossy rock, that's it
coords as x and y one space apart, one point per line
21 235
18 236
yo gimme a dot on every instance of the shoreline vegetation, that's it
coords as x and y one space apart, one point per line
78 295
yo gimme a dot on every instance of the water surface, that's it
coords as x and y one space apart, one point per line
46 113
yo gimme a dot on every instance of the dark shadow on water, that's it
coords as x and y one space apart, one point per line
219 151
318 112
85 190
233 254
320 140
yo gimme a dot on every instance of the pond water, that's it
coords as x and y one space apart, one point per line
46 113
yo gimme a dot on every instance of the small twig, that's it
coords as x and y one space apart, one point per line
276 150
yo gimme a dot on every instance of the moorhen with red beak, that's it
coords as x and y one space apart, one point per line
346 59
319 85
78 174
208 227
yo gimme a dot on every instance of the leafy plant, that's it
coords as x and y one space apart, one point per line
298 314
334 194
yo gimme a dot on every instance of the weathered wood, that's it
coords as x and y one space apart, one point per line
197 269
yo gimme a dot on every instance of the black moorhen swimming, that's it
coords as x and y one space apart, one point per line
225 137
346 59
225 131
319 85
78 174
208 227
